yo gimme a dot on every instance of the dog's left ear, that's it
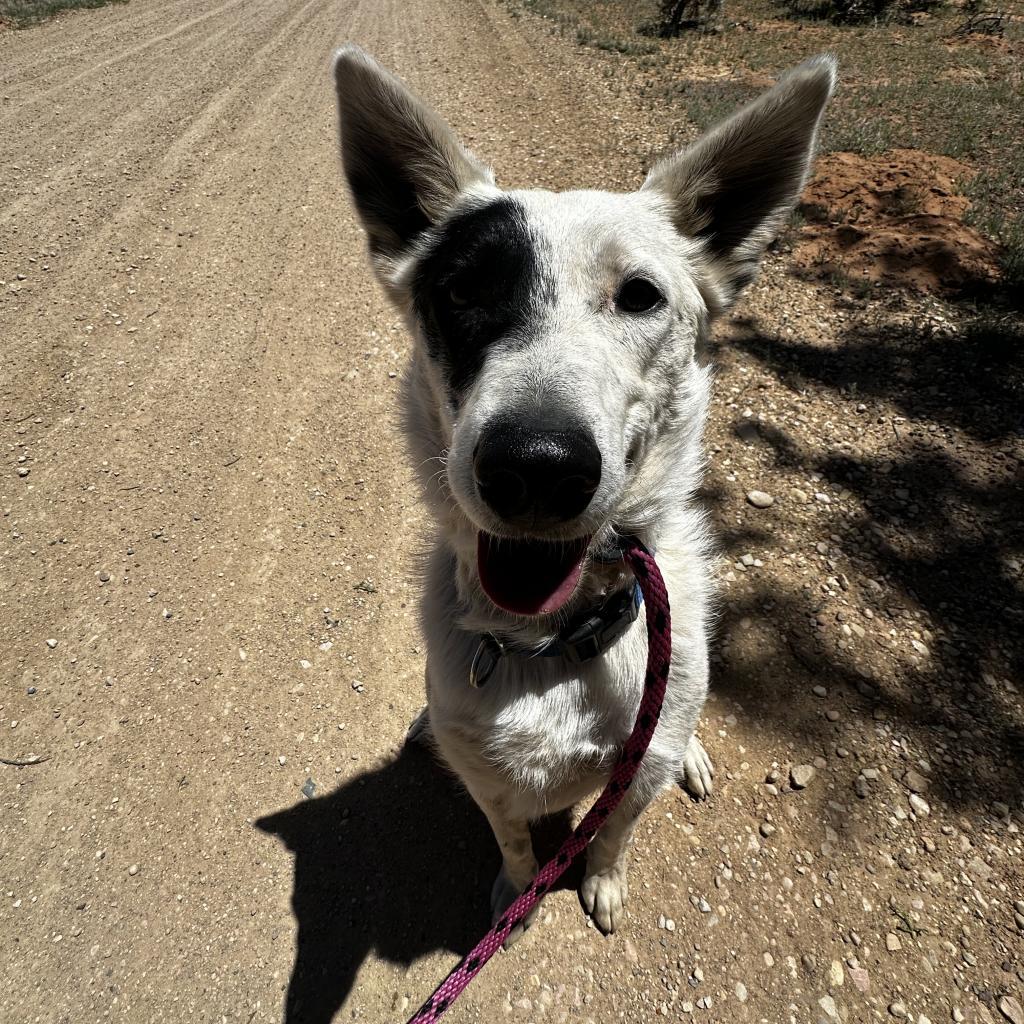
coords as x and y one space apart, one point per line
404 165
734 188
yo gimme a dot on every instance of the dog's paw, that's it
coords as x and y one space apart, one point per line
603 895
696 770
419 731
504 893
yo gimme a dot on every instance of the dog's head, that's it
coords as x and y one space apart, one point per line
556 375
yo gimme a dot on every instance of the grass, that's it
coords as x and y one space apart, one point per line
22 13
903 85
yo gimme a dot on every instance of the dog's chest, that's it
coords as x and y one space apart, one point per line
547 740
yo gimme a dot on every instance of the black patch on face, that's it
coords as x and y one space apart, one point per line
478 284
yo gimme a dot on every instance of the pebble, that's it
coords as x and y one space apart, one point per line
836 976
978 870
919 806
1011 1009
134 869
305 664
767 829
23 471
915 781
801 775
892 942
828 1005
897 1009
760 499
859 977
741 991
819 691
51 643
104 576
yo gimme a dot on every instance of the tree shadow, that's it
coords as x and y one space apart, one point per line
930 536
397 862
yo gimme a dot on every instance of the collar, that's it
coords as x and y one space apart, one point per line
587 636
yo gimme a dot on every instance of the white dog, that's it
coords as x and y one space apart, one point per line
555 404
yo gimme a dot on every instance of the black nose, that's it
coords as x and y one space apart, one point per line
533 475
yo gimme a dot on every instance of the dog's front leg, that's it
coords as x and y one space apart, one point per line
519 864
605 888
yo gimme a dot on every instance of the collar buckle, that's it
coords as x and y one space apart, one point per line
489 652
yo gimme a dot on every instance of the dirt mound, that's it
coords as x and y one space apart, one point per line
895 219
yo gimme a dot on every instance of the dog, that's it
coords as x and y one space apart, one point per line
555 402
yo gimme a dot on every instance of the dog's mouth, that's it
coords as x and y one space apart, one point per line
529 577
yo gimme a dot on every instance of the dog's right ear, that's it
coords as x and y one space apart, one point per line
404 165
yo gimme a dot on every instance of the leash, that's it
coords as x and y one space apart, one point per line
659 656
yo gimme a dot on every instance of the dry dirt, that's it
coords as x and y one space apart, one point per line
895 219
208 577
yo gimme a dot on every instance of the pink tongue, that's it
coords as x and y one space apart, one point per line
529 577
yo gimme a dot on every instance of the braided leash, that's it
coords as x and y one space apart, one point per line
659 656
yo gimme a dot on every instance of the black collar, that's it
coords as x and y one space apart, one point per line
590 634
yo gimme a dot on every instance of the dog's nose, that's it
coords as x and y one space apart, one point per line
534 476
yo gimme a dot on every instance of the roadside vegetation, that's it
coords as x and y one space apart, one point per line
22 13
940 77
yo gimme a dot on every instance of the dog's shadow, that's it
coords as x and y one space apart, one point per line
397 862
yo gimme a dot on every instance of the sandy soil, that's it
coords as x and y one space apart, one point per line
206 614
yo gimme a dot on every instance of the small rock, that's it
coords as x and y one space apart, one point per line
828 1005
819 691
978 870
760 499
915 781
801 775
51 643
836 976
104 576
919 806
741 991
308 789
767 829
897 1009
1011 1009
892 942
358 686
859 977
134 869
305 664
23 471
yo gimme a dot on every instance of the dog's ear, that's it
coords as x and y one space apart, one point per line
404 165
734 187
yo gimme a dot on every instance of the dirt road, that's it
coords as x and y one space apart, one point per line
208 590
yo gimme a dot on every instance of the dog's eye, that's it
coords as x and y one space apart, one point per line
638 295
459 294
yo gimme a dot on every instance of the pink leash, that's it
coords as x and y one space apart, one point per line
659 655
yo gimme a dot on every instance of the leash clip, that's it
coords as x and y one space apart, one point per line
488 653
